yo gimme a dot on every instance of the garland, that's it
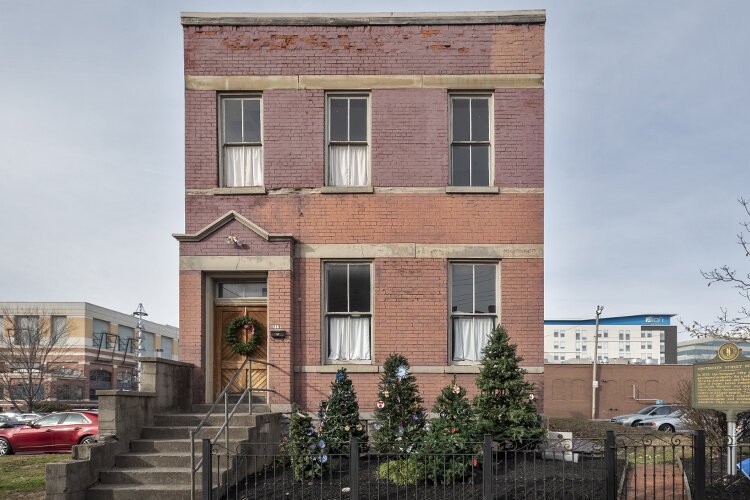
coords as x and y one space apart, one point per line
255 335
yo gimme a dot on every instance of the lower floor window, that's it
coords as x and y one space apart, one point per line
348 338
470 336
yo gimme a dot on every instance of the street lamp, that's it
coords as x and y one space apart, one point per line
139 313
594 380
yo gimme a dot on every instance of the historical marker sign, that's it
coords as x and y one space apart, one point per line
724 382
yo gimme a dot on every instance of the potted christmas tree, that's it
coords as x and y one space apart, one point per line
306 448
505 404
451 445
399 415
340 419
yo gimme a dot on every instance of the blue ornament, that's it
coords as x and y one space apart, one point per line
376 426
309 431
322 444
340 377
415 417
402 372
323 459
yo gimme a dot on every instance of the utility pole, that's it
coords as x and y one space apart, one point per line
594 380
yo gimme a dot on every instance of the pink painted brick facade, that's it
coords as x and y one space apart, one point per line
409 153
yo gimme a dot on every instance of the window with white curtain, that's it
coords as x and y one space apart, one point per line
347 135
471 140
473 308
241 141
348 311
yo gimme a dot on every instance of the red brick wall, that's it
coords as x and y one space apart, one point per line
280 350
383 218
192 344
409 138
409 148
314 50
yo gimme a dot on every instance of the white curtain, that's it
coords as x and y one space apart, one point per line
348 338
348 166
243 166
470 337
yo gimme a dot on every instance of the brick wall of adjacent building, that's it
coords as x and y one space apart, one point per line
408 149
568 388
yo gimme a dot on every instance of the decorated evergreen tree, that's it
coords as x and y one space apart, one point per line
399 415
340 419
452 443
305 446
505 405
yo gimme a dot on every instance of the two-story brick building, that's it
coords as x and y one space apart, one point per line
361 184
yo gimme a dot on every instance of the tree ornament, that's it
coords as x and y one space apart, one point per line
340 376
453 430
254 334
381 405
402 372
346 428
385 394
456 389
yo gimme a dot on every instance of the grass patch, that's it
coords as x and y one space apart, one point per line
658 454
23 475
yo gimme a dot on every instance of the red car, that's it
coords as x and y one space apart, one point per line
53 433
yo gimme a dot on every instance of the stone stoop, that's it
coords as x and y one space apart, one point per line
158 465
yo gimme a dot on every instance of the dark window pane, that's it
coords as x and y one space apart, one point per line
461 120
339 121
461 288
232 120
484 286
460 174
480 130
336 286
358 120
480 165
359 288
251 117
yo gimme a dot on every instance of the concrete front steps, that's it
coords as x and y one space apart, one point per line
158 464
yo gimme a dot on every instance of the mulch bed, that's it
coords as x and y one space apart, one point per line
516 476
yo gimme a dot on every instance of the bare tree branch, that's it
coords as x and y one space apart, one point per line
33 350
735 327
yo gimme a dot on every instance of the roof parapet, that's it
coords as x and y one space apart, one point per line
363 19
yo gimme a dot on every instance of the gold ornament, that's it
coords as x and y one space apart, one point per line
346 428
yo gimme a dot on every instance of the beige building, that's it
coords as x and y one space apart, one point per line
101 344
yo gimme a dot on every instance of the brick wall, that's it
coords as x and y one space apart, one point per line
409 145
336 50
409 149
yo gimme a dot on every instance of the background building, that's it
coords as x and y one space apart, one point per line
361 184
642 338
102 345
700 350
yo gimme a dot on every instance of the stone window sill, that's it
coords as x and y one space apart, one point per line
346 189
239 190
472 189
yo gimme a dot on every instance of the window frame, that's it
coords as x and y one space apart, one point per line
325 315
367 94
221 98
490 96
498 310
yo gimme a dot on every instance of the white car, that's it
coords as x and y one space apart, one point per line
668 423
633 419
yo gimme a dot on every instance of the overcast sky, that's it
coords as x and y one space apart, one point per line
646 131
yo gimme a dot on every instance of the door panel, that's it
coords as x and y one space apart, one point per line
226 361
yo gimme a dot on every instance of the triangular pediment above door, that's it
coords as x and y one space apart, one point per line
232 218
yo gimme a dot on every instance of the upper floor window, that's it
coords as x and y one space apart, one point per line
59 327
125 340
347 137
471 140
473 301
348 311
27 330
241 141
102 337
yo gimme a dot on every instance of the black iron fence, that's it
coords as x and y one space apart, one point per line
625 466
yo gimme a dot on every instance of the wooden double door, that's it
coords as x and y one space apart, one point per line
227 362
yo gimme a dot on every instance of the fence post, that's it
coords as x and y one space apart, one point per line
699 466
207 468
354 468
610 467
487 469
